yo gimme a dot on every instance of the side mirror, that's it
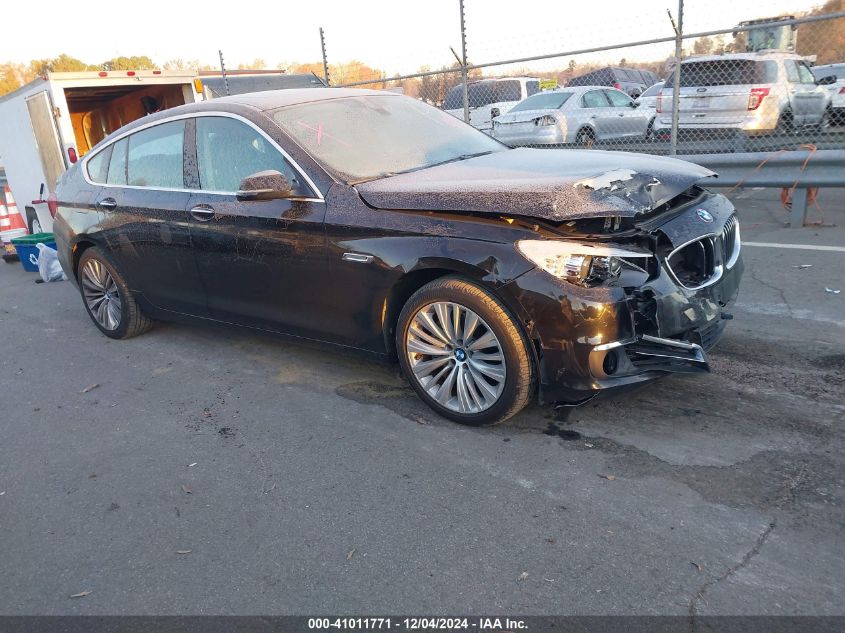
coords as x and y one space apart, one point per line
634 104
826 81
264 185
494 112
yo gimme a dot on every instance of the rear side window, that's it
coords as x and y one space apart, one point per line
594 99
454 99
117 165
727 72
480 94
507 91
229 150
98 165
617 99
155 157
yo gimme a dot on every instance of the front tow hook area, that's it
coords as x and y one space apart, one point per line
652 352
647 353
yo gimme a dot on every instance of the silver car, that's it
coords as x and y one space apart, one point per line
577 115
756 93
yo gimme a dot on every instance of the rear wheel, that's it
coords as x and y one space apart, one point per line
786 122
463 353
107 298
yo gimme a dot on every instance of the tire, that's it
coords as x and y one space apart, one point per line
786 122
117 315
486 397
585 138
649 131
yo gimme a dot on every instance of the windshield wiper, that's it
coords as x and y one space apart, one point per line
387 174
384 174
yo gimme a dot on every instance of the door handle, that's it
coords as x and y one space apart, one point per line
203 214
621 114
594 116
107 203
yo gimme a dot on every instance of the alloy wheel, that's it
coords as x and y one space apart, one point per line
101 294
455 357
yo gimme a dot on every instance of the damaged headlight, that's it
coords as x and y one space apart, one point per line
585 264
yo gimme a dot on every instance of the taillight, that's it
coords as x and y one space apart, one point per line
659 102
842 90
71 155
756 97
617 85
52 204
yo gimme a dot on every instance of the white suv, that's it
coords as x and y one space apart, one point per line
752 92
836 89
488 98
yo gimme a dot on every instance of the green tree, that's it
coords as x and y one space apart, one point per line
129 63
62 64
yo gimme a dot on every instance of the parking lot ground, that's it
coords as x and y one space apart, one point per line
221 471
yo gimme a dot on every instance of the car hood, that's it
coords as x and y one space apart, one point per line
556 185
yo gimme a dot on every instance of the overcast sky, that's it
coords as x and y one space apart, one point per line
394 35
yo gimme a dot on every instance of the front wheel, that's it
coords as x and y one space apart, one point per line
107 298
463 353
585 138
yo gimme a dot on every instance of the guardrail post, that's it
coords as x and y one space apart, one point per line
798 212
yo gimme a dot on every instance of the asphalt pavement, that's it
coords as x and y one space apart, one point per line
205 470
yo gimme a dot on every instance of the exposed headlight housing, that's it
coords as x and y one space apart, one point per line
581 263
545 120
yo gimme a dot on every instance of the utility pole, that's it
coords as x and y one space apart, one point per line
325 59
223 72
464 72
676 77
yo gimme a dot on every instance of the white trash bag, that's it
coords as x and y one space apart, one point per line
48 264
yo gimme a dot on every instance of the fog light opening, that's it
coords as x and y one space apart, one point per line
611 362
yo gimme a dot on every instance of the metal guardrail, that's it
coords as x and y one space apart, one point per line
800 170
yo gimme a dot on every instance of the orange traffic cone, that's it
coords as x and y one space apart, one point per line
15 217
5 225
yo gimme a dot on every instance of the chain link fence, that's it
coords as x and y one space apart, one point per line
765 84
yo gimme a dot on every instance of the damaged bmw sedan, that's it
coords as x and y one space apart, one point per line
373 221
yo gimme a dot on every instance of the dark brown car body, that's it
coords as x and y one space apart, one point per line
279 265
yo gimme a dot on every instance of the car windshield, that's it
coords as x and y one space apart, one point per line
372 136
543 101
652 92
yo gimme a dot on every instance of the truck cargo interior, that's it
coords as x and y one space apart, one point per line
98 111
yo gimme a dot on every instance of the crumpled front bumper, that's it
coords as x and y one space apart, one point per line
592 339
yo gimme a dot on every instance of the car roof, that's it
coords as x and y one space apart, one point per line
272 99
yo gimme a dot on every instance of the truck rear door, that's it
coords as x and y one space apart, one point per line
40 108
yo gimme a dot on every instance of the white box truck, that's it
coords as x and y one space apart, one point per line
48 124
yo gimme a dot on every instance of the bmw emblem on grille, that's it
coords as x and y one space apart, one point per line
705 215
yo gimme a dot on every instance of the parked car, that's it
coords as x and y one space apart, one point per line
488 98
648 99
836 89
573 115
749 92
374 221
628 80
